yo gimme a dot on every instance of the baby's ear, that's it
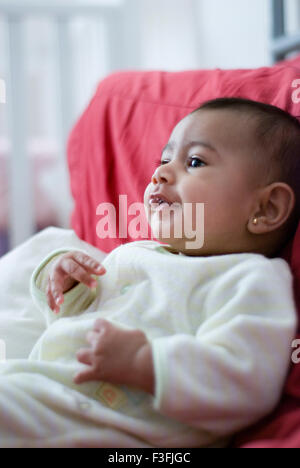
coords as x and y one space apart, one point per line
276 204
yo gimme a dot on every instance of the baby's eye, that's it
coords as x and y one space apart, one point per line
197 160
190 161
160 162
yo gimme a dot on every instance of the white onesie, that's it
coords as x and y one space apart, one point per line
221 329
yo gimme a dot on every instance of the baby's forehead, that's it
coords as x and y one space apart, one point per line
224 127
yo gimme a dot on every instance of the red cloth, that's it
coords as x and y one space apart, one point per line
115 145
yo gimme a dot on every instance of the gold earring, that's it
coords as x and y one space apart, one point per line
255 221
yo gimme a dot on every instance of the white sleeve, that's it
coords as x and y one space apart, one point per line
232 372
75 301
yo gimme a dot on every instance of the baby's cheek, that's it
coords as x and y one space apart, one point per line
146 200
147 192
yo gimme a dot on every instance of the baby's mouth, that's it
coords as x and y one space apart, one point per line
159 207
159 204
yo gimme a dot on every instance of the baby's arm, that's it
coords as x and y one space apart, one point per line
231 374
62 282
227 376
67 270
127 353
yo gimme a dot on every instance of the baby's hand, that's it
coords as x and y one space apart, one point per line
66 271
117 356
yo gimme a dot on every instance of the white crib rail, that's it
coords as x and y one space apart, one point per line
21 222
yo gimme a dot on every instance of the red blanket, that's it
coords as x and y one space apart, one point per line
113 150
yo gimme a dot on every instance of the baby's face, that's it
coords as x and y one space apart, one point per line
209 160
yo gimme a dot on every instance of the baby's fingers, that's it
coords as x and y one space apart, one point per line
85 376
72 269
53 301
88 263
85 355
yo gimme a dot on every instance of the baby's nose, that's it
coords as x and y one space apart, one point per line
158 177
164 174
154 180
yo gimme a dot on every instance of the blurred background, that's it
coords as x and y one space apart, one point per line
53 53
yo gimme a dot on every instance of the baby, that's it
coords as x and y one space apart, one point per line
166 344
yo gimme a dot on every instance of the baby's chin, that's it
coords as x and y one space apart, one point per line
175 243
178 246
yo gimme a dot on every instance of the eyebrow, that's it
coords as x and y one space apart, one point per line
171 145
